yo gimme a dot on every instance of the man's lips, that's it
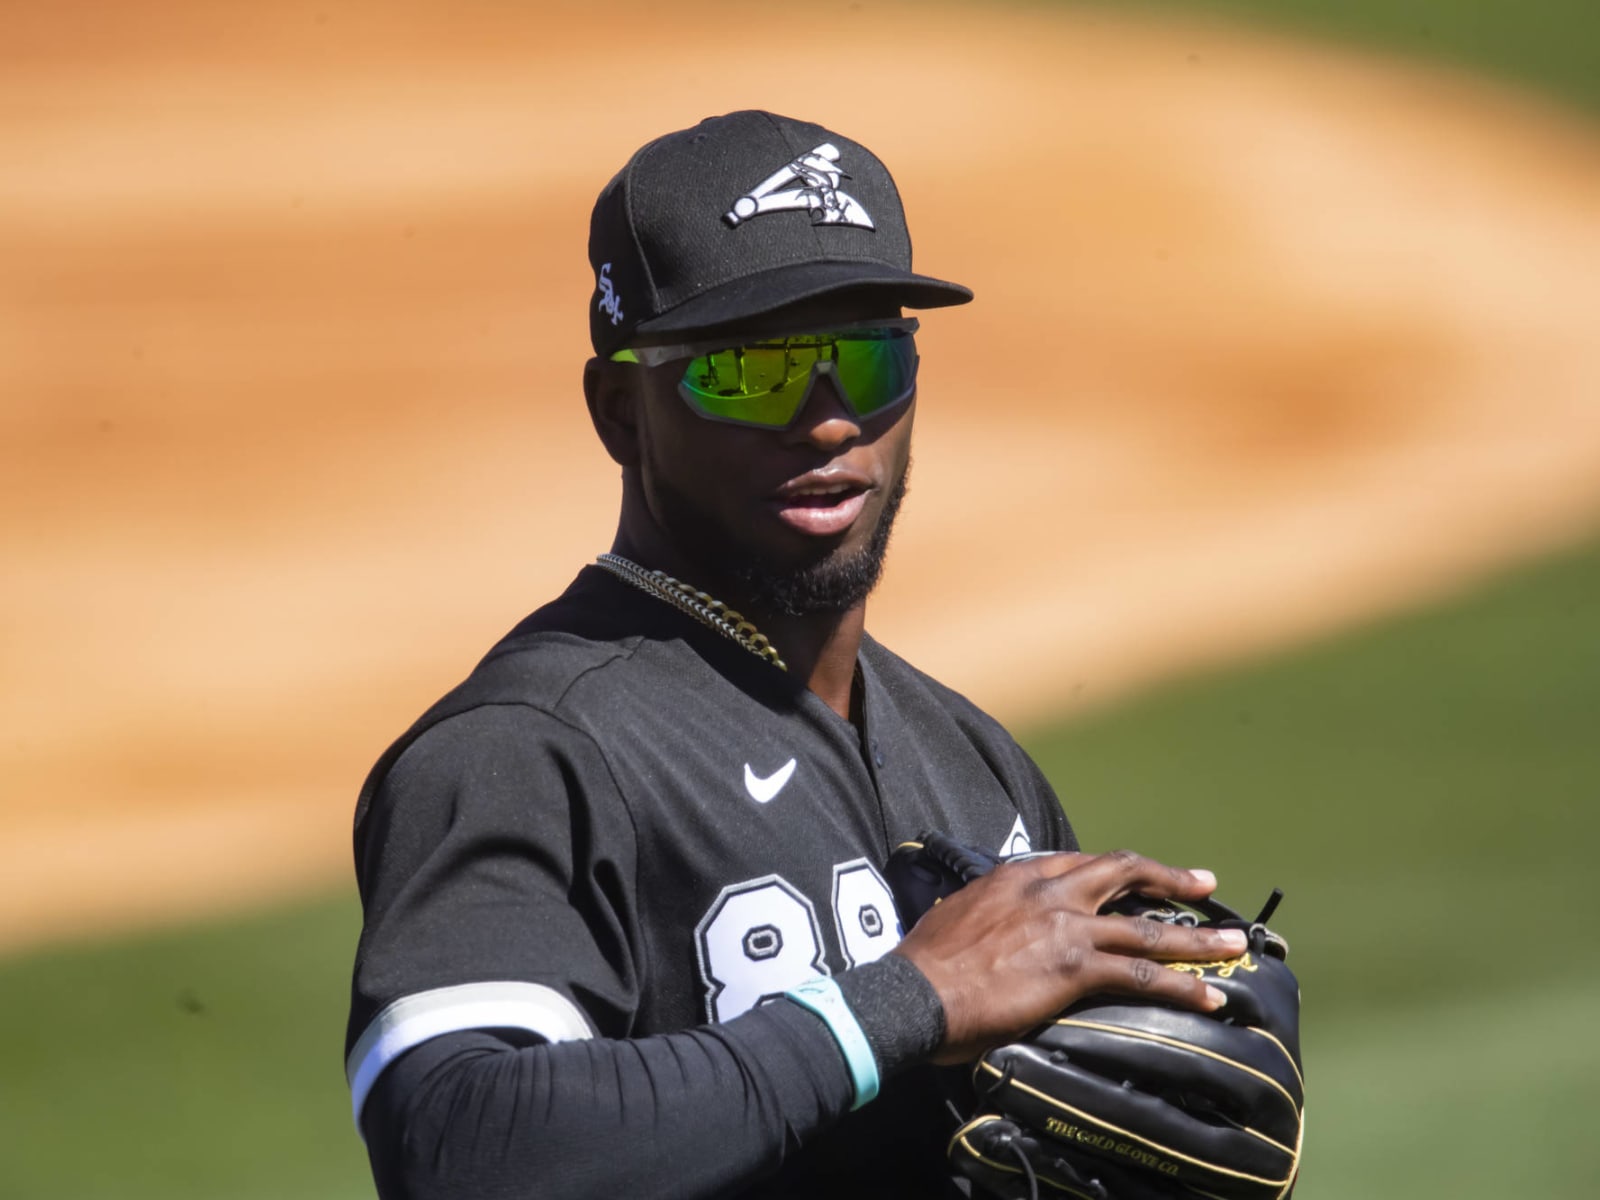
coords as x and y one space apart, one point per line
822 503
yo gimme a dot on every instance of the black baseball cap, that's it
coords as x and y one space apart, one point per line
740 217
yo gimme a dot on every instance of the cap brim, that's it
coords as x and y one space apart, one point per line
854 283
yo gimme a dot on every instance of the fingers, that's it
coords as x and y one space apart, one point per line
1026 941
1150 980
1128 952
1106 877
1149 938
1134 952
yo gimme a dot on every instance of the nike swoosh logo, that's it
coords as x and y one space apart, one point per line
763 790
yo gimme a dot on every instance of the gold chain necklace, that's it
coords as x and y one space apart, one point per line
706 609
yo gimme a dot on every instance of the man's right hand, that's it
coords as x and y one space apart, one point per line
1015 947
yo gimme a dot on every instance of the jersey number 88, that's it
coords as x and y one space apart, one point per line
761 937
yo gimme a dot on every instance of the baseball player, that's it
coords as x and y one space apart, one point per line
626 927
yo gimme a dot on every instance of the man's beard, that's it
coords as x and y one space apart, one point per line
834 583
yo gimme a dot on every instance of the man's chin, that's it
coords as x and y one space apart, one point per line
834 583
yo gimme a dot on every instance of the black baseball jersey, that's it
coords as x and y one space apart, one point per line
624 825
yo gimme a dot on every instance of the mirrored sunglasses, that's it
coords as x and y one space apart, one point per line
766 383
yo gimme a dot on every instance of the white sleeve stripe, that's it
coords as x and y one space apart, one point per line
415 1019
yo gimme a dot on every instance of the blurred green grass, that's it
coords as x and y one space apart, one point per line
1551 44
1488 1091
203 1063
1422 790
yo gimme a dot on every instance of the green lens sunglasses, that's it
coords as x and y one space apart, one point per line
766 383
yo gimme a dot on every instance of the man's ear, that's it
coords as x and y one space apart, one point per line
612 392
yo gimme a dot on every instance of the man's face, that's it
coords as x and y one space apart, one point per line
798 519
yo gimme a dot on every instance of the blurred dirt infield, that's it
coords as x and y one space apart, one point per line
1267 339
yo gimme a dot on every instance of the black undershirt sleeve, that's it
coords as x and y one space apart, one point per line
705 1112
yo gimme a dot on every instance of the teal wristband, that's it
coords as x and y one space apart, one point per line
822 996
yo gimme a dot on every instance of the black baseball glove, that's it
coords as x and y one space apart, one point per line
1118 1099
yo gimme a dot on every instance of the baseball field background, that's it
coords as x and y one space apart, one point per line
1259 489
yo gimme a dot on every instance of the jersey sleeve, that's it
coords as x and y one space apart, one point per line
496 866
1042 821
1040 807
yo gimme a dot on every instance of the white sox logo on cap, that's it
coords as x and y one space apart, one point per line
809 183
610 301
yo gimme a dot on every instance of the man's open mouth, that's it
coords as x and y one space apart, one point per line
821 507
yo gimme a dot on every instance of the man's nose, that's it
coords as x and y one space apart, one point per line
826 421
